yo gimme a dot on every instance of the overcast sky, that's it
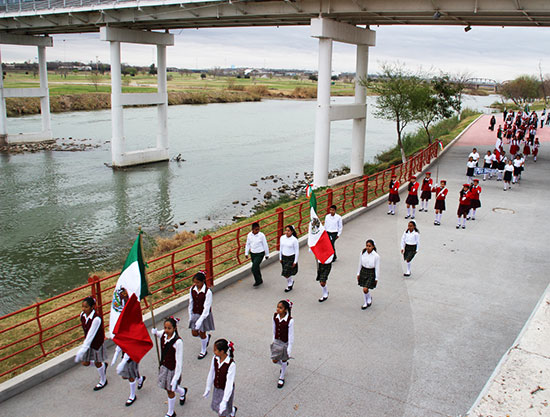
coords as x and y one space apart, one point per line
497 53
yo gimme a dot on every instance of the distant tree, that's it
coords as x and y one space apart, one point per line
203 75
94 79
525 87
215 72
334 78
313 77
461 81
396 88
152 69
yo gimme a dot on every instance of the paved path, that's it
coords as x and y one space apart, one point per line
426 347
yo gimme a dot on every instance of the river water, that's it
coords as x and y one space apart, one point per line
64 214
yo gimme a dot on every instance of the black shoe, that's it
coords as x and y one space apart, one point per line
425 210
392 213
100 386
202 355
407 275
464 227
130 401
235 411
208 341
182 401
407 216
140 385
257 284
388 213
365 306
168 415
458 227
323 299
281 383
289 288
412 217
473 218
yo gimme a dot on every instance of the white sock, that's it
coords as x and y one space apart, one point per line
133 390
233 411
180 391
393 208
140 380
204 342
408 211
408 267
473 213
289 282
365 296
325 291
464 221
102 376
458 224
389 208
283 369
369 297
439 219
171 404
414 211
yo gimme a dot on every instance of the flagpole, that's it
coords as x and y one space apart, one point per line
150 303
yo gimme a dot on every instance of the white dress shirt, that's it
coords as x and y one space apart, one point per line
474 155
489 158
207 302
369 260
229 382
179 353
290 331
256 243
410 238
471 164
96 322
333 224
289 247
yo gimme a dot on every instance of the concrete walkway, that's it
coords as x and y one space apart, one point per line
426 347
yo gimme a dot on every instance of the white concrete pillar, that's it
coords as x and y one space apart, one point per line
45 100
359 125
3 117
322 120
162 135
117 128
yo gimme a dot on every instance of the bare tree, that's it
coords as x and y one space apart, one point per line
94 79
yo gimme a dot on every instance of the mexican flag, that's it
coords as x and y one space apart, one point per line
318 240
132 279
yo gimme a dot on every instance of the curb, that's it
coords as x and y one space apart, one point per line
65 361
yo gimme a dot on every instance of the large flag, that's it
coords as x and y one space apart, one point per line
132 279
318 239
130 331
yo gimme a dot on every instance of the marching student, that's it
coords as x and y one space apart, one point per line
128 369
93 349
501 164
463 205
333 226
475 156
412 198
470 168
171 363
288 256
508 173
475 191
426 194
222 376
256 245
409 245
526 148
489 160
393 196
283 338
440 195
518 163
323 271
514 147
536 147
201 319
368 271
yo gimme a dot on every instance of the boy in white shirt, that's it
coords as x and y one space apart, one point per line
256 246
333 226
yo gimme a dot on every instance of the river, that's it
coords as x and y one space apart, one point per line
64 214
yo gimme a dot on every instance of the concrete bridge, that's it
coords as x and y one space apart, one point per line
30 22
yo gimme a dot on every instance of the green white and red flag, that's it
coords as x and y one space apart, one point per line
318 240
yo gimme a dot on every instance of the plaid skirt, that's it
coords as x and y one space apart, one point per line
367 278
279 350
165 378
206 326
440 205
412 200
410 251
96 355
288 269
475 204
463 210
130 370
323 270
394 198
426 195
217 397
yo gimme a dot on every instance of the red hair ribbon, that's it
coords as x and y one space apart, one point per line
174 318
202 272
290 303
231 346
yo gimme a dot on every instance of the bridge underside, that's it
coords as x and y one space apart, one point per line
66 16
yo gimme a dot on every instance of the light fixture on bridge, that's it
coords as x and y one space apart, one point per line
437 15
467 28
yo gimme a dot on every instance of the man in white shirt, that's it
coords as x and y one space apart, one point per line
256 246
333 226
475 155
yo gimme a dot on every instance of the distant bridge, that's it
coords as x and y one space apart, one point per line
30 22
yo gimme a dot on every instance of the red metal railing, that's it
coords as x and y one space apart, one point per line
36 333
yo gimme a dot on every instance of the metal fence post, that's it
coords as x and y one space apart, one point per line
365 190
99 301
280 225
208 260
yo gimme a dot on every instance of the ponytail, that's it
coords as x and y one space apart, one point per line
225 346
293 230
415 228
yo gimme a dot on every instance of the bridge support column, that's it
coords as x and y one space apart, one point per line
120 157
327 31
43 92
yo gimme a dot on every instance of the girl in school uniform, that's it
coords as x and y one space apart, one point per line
501 164
426 194
514 147
412 198
475 203
526 148
463 205
409 245
470 168
93 349
288 256
393 196
489 160
440 195
171 363
128 369
536 147
222 376
518 163
508 173
368 271
283 338
201 320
